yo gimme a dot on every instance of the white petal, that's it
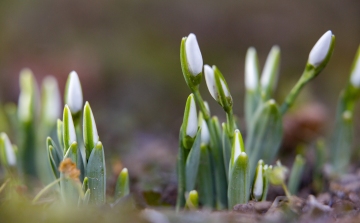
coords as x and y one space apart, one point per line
207 106
192 124
258 186
10 154
355 74
251 69
72 132
74 96
210 81
94 129
24 107
237 150
268 67
205 135
225 89
52 100
320 49
193 55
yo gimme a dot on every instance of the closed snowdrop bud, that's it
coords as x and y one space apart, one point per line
321 49
205 135
51 100
73 93
193 55
271 69
355 71
8 151
258 184
251 69
210 81
237 148
191 127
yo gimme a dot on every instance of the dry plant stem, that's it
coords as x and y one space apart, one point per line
46 189
287 193
4 185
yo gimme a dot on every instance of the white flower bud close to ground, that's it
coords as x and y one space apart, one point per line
192 121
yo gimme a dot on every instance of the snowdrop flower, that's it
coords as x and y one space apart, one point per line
251 69
355 72
270 73
237 148
193 55
321 49
259 181
51 100
73 93
8 149
210 81
26 103
190 124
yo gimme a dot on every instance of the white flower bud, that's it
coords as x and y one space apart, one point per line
193 55
192 121
210 81
205 134
251 69
51 100
9 151
355 73
73 95
320 50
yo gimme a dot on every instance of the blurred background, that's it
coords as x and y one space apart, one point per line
127 56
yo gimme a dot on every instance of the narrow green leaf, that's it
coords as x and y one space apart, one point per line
60 135
239 182
264 138
96 173
69 133
181 176
90 132
206 179
68 190
192 163
217 163
296 174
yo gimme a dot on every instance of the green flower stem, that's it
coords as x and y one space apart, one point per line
55 182
291 97
230 124
200 102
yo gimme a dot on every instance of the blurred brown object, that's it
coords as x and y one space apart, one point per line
304 125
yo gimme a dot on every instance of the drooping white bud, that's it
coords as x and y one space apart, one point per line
320 50
73 94
210 81
192 121
193 55
251 69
